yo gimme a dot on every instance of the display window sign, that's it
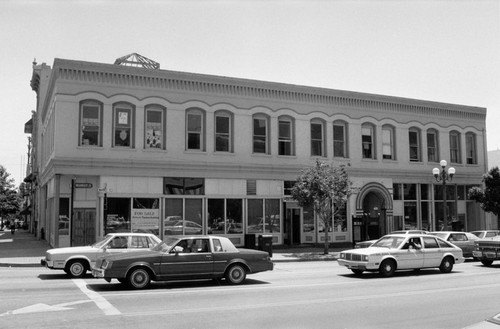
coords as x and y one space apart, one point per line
145 219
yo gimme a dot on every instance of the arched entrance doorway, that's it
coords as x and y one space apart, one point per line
374 208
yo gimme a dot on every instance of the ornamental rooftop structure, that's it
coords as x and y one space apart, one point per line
220 154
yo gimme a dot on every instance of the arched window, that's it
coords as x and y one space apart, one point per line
195 129
90 123
455 150
318 138
155 127
286 136
388 146
470 148
414 144
123 125
340 146
368 141
223 131
432 145
261 134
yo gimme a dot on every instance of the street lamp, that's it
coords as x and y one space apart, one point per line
443 176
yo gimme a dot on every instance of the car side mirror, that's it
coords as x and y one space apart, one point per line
177 249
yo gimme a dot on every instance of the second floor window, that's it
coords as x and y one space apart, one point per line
339 139
195 132
455 147
155 128
414 141
367 140
317 138
388 143
90 123
285 136
260 134
470 148
223 128
432 146
123 125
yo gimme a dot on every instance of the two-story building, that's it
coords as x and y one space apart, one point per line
125 148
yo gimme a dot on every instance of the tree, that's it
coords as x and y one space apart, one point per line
9 198
325 188
489 198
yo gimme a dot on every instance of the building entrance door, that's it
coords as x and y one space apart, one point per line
83 227
292 227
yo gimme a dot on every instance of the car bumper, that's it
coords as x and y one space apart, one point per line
100 273
353 265
485 254
46 263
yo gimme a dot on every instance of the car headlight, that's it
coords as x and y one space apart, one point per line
364 258
342 255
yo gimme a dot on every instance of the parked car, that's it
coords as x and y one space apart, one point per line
487 250
76 261
464 240
486 234
176 226
366 244
402 252
184 258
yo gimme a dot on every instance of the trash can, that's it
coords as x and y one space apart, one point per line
250 241
266 244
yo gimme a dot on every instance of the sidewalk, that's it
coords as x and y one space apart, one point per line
23 249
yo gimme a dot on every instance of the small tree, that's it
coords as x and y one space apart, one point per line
325 188
489 198
9 198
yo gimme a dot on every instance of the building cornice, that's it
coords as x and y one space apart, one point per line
133 77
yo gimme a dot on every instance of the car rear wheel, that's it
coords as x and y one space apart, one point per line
236 274
76 268
357 272
446 265
139 278
387 268
487 262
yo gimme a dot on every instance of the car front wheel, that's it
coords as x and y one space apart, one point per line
76 269
139 278
387 268
446 265
236 274
487 262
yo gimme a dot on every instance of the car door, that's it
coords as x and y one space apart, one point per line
410 255
432 252
461 241
189 259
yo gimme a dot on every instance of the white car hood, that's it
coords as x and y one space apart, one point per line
72 250
368 251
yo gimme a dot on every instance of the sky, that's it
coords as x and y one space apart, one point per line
437 50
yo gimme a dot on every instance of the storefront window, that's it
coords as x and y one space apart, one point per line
183 217
183 186
193 219
396 191
118 215
410 191
63 216
410 216
340 221
308 220
255 220
424 211
145 215
272 223
234 217
424 191
450 214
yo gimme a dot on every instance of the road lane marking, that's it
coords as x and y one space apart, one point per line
100 301
40 307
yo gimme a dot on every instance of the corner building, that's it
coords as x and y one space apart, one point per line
125 148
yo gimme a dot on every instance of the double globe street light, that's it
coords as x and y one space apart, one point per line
443 177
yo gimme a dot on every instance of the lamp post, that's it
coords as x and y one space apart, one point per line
443 177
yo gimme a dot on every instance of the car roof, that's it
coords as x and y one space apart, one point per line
128 234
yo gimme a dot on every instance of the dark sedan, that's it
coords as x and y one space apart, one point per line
184 258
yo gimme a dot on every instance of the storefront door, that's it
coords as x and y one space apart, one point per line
292 227
83 227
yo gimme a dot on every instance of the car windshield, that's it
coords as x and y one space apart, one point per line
391 242
166 244
441 235
102 242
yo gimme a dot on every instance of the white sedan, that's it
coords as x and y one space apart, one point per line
402 252
76 261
